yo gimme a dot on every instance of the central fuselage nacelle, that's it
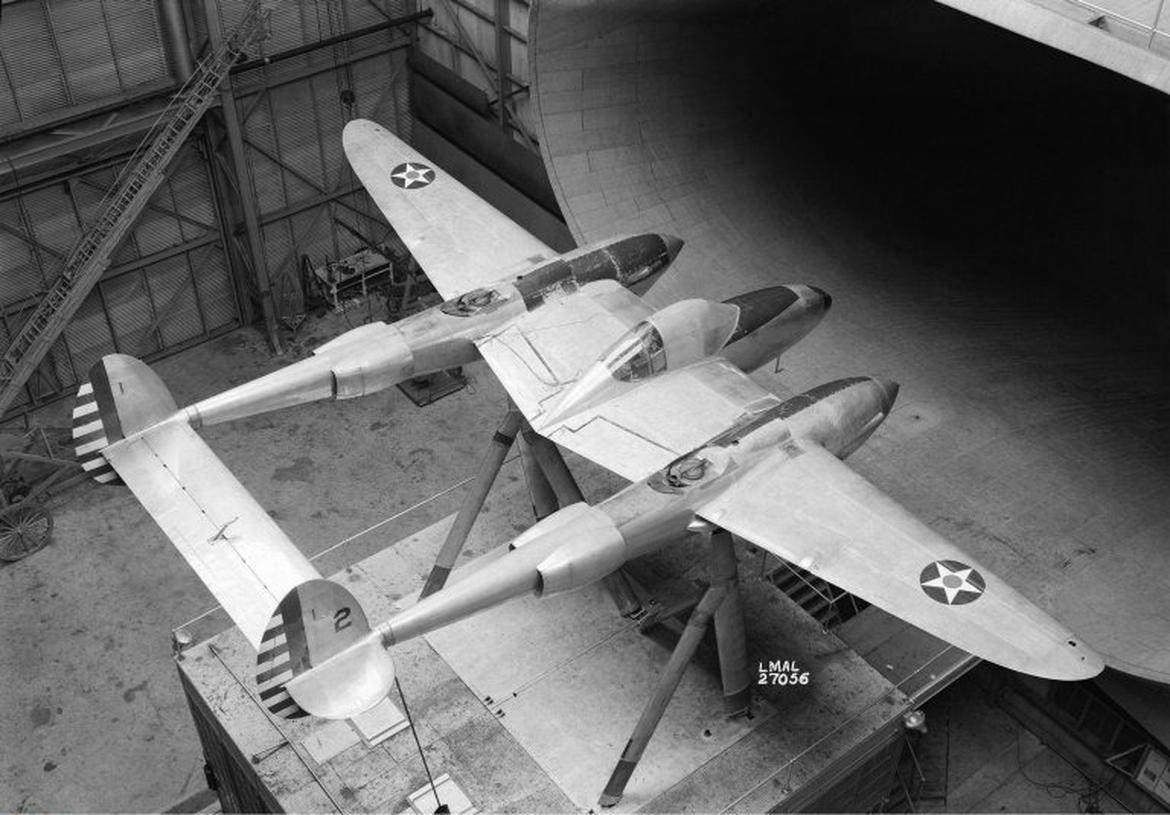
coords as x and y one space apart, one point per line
373 357
747 330
580 544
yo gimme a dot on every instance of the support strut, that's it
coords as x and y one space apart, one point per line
667 684
721 602
473 502
730 632
540 491
553 465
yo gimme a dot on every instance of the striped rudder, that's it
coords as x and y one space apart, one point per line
316 655
89 437
274 666
122 396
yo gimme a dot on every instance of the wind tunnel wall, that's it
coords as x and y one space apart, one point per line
990 217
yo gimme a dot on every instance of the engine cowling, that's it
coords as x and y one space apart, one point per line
367 360
592 548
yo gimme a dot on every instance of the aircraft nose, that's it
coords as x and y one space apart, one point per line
674 245
889 393
826 298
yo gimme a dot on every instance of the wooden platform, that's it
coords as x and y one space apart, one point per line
526 707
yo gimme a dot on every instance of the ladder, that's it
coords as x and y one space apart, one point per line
121 206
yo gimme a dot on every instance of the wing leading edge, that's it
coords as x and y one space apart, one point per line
804 505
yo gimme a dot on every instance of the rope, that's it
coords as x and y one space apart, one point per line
418 744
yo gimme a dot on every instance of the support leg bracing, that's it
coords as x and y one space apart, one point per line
720 602
540 491
473 502
667 684
730 632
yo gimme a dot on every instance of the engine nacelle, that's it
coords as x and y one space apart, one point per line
840 415
773 320
593 547
367 360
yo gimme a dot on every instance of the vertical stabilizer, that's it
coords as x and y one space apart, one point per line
317 635
121 396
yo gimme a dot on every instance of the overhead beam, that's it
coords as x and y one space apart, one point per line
396 22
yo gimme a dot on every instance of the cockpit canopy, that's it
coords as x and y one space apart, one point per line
677 335
638 355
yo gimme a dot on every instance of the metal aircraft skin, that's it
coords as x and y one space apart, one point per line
660 397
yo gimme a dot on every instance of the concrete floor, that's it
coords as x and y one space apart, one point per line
933 174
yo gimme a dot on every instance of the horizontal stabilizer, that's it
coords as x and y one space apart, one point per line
234 546
346 685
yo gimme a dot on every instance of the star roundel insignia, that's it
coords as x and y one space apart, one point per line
952 582
411 175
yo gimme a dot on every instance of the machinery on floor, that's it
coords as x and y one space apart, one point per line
31 472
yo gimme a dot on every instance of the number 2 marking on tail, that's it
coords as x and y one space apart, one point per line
341 619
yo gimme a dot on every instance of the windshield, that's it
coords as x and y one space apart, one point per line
638 355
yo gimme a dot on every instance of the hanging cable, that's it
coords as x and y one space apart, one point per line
441 808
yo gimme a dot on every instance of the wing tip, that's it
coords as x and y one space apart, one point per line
1082 661
1067 660
358 132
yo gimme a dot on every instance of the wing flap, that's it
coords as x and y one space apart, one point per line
804 505
538 354
653 423
461 241
237 550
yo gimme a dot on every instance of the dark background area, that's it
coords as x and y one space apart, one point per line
1029 174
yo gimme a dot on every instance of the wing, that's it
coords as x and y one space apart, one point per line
650 424
461 241
804 505
646 425
228 539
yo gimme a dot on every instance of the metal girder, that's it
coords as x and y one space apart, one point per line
170 306
138 180
30 240
503 57
297 174
498 20
255 246
259 94
101 133
504 101
152 206
394 22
